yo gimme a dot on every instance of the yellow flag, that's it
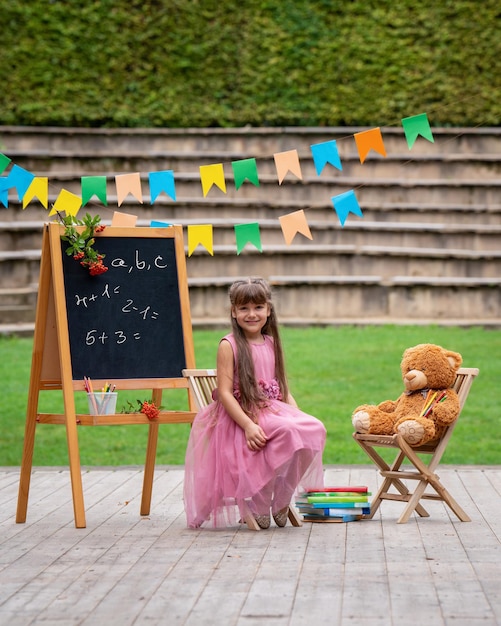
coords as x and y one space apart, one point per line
66 202
39 187
200 234
212 175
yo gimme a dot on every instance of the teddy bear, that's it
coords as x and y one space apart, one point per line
428 373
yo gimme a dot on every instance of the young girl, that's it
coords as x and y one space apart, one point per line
252 447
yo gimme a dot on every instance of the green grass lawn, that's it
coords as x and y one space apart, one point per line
331 371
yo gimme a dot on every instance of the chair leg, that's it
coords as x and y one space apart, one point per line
294 518
251 522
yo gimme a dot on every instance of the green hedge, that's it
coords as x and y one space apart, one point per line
202 63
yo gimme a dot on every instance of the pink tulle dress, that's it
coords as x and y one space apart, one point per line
223 477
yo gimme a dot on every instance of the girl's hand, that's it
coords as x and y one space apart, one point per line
256 439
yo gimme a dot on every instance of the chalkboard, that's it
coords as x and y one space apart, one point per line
126 322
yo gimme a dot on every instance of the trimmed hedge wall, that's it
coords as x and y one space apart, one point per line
202 63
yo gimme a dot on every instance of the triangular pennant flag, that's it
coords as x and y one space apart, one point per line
123 220
128 184
40 188
369 140
246 169
4 196
19 178
324 153
247 233
4 161
66 202
346 203
415 126
157 224
162 181
212 175
294 223
287 162
200 234
94 186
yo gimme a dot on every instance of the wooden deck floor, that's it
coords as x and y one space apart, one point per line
123 569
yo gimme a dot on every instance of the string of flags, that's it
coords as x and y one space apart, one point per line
30 187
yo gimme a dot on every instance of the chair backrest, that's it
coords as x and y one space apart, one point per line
202 383
464 380
462 385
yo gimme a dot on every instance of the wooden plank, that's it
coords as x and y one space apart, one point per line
126 568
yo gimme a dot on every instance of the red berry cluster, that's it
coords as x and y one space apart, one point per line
96 267
150 410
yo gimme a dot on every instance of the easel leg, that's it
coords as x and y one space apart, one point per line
26 465
149 468
75 472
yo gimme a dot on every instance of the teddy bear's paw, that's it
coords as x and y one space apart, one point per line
411 431
361 421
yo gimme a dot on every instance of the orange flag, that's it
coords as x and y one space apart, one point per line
369 140
294 223
128 184
287 162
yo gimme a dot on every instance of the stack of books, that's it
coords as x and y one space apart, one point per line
334 504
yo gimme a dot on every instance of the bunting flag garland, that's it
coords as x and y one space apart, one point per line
200 234
4 162
162 181
17 178
94 186
243 170
415 126
325 153
212 175
66 202
29 186
369 140
247 233
346 203
128 184
287 162
39 188
294 223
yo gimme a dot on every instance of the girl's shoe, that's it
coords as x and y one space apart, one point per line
281 517
263 521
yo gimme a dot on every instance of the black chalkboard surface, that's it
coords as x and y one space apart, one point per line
127 322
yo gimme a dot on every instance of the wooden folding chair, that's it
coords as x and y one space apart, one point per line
202 383
423 472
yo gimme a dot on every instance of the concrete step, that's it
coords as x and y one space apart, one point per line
324 299
250 141
20 268
433 165
27 235
310 190
210 210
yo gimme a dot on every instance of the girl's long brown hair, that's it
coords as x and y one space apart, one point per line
257 291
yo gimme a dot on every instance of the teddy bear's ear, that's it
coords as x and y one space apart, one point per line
454 358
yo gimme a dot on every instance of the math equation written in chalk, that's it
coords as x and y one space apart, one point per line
126 322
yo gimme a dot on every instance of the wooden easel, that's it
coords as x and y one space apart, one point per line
52 367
